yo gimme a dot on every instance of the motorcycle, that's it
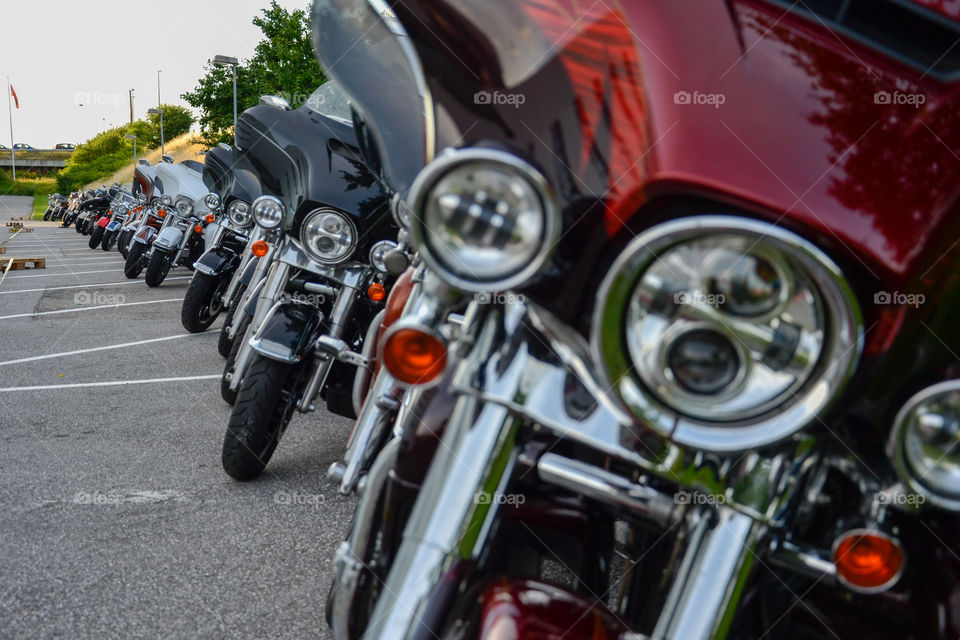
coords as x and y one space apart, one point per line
147 189
324 282
54 201
675 405
94 208
148 228
212 288
119 210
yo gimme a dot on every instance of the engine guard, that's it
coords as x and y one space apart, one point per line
289 332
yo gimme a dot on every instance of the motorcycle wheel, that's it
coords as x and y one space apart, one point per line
157 269
265 405
122 243
203 301
133 266
46 216
107 243
96 237
229 395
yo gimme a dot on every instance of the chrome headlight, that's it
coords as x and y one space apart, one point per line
212 202
184 206
166 200
483 219
239 214
378 253
925 444
268 211
328 236
724 333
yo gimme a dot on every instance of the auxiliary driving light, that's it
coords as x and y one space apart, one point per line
868 561
414 356
259 248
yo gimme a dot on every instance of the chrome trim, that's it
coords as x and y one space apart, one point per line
839 358
369 353
276 102
275 200
346 218
897 441
452 158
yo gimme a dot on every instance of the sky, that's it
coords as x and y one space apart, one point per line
60 54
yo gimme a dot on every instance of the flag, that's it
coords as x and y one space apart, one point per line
16 100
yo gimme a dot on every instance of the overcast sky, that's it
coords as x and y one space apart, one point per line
59 53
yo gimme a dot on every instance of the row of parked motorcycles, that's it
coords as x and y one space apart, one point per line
594 397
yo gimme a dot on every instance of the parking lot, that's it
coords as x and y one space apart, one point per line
116 518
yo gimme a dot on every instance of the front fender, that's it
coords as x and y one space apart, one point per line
145 235
113 226
169 238
217 261
103 222
288 332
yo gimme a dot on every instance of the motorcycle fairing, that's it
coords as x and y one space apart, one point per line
288 332
217 261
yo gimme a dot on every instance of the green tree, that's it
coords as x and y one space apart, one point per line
177 121
283 64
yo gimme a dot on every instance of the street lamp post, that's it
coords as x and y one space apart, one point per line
163 151
132 136
233 62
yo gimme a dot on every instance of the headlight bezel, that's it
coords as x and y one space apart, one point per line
836 363
913 478
453 159
212 202
264 203
308 247
188 204
245 222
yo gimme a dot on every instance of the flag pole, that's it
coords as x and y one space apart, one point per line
13 152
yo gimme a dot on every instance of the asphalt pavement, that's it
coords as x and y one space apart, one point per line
116 520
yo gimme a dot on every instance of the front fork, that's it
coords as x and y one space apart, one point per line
274 285
245 258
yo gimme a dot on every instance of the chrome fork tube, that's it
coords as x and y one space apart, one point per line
448 525
275 284
339 317
371 424
245 258
705 594
256 282
183 244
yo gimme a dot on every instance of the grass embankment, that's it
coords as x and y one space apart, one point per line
38 188
186 147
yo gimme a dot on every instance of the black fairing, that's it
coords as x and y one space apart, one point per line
309 160
229 174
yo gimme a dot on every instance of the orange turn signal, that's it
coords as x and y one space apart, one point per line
210 218
198 228
260 248
376 292
161 212
413 356
867 561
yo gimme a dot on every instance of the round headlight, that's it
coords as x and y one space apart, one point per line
183 206
212 201
268 212
925 444
724 333
328 236
378 253
166 200
483 219
239 213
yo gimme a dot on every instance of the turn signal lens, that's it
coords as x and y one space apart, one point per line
867 561
198 228
161 212
260 248
376 292
210 218
413 356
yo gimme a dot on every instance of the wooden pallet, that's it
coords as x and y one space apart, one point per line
21 263
19 227
3 250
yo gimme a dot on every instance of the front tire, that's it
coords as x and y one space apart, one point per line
96 237
107 243
157 269
263 410
203 301
46 215
134 264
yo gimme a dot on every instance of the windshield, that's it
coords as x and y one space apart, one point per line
330 100
362 45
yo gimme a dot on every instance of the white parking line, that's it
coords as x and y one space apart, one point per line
114 383
105 306
89 286
64 354
78 273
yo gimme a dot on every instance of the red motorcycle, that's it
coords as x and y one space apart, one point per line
704 382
